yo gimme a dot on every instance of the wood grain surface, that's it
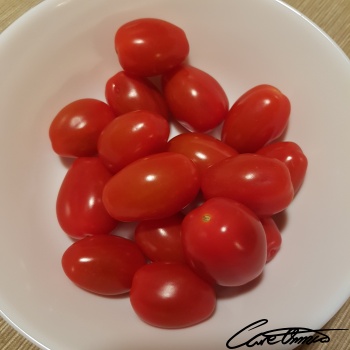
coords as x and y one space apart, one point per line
333 17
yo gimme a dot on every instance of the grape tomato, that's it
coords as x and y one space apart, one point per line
258 117
152 187
195 98
79 208
262 184
126 93
224 242
160 240
132 136
204 150
171 295
292 156
150 46
75 130
103 264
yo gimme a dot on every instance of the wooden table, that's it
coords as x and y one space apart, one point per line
333 16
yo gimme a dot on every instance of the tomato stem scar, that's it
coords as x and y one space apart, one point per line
206 218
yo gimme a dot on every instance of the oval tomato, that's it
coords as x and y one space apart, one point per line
103 264
256 118
204 150
76 128
153 187
262 184
171 295
195 99
149 46
292 156
273 237
132 136
160 240
224 242
126 93
79 207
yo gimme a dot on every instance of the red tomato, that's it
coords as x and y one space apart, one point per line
262 184
171 295
273 237
126 93
204 150
160 240
103 264
148 46
256 118
153 187
224 242
76 128
195 99
132 136
79 207
292 156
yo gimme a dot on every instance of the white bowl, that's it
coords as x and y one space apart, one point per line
63 50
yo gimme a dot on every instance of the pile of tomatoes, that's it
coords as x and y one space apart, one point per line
203 208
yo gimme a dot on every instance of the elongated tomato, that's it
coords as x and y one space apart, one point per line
103 264
262 184
79 207
152 187
204 150
195 98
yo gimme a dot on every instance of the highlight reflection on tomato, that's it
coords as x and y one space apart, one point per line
79 207
152 187
262 184
224 242
171 295
103 264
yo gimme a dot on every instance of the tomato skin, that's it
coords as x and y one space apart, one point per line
292 156
195 99
103 264
204 150
76 128
273 237
79 208
262 184
259 116
152 187
225 242
160 240
171 295
132 136
149 46
126 93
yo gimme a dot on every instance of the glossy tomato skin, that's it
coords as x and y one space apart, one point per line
292 156
160 240
273 237
258 117
79 208
76 128
132 136
195 99
149 46
171 295
152 187
204 150
262 184
103 264
224 242
126 93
